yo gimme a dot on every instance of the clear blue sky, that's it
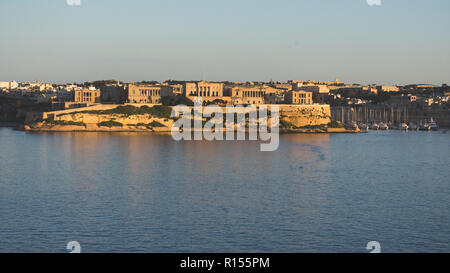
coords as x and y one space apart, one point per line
399 42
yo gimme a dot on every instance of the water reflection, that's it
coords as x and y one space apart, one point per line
138 192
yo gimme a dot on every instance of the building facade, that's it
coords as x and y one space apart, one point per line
171 90
388 88
208 91
86 95
143 93
298 97
318 89
247 94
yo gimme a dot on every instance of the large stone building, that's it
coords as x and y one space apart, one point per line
144 93
388 88
298 97
358 90
208 91
317 89
248 94
9 85
285 86
254 94
87 95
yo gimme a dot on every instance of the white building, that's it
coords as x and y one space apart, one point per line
9 85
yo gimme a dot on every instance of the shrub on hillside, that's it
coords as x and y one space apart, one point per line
110 124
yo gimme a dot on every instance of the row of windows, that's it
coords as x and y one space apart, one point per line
87 94
255 102
205 93
150 92
254 94
302 95
303 101
206 88
85 100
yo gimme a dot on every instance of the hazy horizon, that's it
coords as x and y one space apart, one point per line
400 42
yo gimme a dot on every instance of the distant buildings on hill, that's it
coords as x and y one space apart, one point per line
232 93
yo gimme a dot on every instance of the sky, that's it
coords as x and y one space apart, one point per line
397 42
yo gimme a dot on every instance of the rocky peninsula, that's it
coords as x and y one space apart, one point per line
157 118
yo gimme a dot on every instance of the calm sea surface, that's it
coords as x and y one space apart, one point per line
148 193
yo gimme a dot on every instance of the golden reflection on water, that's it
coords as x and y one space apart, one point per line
306 147
149 157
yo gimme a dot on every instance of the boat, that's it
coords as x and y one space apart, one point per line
352 126
375 126
433 125
424 126
384 126
392 126
363 126
403 126
413 127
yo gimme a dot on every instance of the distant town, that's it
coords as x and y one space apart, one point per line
73 95
348 102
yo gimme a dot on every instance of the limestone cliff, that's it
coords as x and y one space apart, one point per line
298 116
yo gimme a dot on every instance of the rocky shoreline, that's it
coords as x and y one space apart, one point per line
142 129
157 119
74 128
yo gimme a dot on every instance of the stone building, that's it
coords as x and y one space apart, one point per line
247 94
274 98
318 89
208 91
87 95
144 93
298 97
285 86
388 88
171 90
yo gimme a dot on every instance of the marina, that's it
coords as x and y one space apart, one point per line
382 118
